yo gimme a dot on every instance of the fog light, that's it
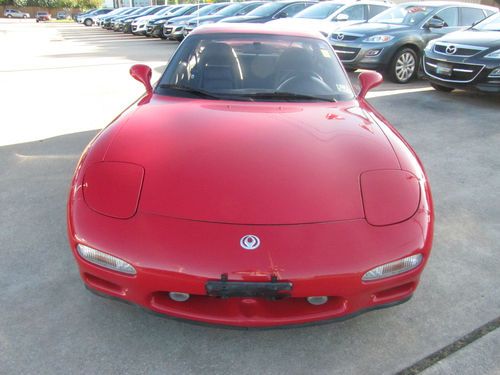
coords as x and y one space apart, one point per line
495 73
317 300
373 52
178 296
104 260
393 268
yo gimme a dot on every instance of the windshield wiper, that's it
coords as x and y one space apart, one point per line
286 96
189 90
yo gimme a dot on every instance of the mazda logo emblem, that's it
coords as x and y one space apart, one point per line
340 36
450 50
250 242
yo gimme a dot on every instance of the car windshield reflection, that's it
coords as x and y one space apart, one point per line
257 68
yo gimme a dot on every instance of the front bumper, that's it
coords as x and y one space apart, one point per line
173 32
356 55
154 30
462 72
182 256
139 29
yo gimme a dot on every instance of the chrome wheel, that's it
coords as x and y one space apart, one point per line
405 66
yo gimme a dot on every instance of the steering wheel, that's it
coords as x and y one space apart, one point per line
310 83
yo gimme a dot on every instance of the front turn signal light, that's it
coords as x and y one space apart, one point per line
104 260
393 268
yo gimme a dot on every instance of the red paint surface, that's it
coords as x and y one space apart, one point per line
293 174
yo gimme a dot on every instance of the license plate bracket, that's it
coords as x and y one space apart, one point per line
226 289
444 69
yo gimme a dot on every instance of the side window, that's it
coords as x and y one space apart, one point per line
293 9
355 13
375 9
470 15
449 16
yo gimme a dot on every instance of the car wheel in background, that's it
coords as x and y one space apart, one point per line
441 88
9 15
88 22
25 17
403 67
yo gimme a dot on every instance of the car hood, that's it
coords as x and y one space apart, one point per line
371 28
252 163
244 19
298 22
473 37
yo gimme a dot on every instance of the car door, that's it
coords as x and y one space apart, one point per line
450 17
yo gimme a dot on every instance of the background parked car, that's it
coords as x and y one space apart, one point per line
43 16
467 59
108 20
327 16
139 24
99 18
393 41
149 11
154 26
79 17
271 11
235 9
87 20
174 28
62 15
14 13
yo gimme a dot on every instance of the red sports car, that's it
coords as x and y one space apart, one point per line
251 187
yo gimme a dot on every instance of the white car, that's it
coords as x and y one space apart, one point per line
139 24
14 13
327 16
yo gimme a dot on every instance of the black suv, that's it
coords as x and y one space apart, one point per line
467 59
393 41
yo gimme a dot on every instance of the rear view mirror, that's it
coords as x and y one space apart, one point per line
143 74
435 23
369 80
342 17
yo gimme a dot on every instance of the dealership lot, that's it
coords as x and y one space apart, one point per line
65 81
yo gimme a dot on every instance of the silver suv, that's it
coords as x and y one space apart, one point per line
14 13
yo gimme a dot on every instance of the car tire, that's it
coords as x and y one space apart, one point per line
88 22
404 66
25 17
9 15
441 88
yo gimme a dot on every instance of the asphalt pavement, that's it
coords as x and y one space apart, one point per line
59 83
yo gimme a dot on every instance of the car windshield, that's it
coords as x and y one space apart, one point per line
180 11
489 24
155 10
319 11
230 10
266 10
403 15
255 67
206 10
163 11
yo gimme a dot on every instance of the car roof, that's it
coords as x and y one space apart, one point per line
448 3
252 28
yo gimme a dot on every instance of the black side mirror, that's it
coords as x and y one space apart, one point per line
435 23
282 15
